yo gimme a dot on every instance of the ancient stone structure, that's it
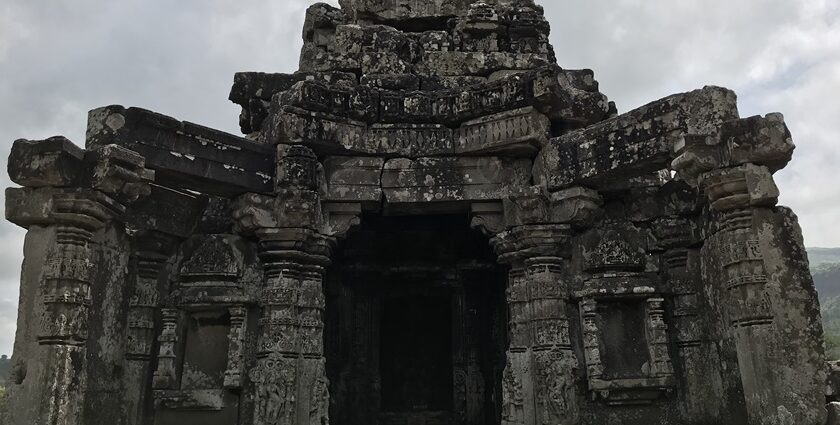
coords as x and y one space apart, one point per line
430 223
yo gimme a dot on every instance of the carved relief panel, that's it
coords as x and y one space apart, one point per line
625 335
202 356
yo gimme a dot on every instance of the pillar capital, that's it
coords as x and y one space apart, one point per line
576 206
65 185
516 245
740 187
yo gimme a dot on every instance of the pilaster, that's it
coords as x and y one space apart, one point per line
71 205
753 260
289 378
538 383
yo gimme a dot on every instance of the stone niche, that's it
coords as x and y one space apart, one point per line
626 337
429 223
200 368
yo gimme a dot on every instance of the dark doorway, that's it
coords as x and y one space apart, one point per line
415 326
416 354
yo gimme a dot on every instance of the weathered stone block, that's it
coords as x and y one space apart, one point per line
412 140
405 10
435 83
322 132
452 179
314 58
518 132
577 206
634 143
52 162
354 179
392 81
758 140
184 154
480 63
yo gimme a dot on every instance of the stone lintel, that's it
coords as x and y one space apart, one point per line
183 154
634 143
167 211
451 181
516 133
354 179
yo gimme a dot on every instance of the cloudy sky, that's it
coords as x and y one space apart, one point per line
59 59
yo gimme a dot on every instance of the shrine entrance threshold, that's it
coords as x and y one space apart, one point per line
416 322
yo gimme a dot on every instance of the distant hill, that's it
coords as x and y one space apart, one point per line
825 267
827 279
820 256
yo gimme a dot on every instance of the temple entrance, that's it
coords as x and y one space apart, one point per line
415 318
415 360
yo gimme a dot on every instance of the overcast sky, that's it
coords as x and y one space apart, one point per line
59 59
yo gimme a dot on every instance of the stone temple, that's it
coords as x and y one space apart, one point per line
430 223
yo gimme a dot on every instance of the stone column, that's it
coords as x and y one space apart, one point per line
754 260
699 368
151 252
290 347
290 383
70 197
539 385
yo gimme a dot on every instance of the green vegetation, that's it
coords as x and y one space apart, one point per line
5 364
825 267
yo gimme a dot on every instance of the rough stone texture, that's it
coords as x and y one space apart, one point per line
429 223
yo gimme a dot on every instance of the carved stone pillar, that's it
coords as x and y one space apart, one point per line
70 197
538 384
699 358
152 251
290 382
236 350
166 374
754 261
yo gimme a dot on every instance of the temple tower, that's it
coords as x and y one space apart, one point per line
430 223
